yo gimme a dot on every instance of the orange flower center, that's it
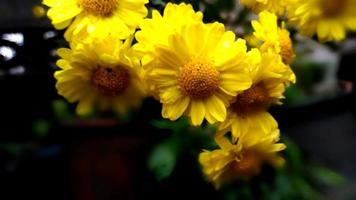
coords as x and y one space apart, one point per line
286 44
102 8
332 8
249 165
198 80
252 100
111 81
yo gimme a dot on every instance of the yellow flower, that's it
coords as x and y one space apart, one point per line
156 31
275 39
98 18
196 71
275 6
243 158
249 109
328 19
102 74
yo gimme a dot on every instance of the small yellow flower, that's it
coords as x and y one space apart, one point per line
243 158
275 39
328 19
99 18
249 109
274 6
101 74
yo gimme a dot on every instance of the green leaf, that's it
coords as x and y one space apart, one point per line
13 148
283 184
162 160
326 176
41 128
305 190
178 126
294 155
61 109
240 191
158 2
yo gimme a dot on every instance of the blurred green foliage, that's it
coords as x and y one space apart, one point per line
41 128
163 158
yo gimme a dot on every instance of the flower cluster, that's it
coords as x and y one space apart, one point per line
195 69
328 19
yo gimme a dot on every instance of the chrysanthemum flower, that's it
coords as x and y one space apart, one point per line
274 6
156 30
100 74
243 158
196 70
270 76
98 18
275 39
328 19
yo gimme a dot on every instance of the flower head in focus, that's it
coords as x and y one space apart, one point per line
242 158
328 19
156 30
100 74
196 69
98 18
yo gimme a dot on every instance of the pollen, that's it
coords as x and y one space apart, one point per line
252 100
102 8
332 8
286 45
111 81
198 80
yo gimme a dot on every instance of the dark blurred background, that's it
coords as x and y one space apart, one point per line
46 152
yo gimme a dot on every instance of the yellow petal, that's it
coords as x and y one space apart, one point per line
216 108
197 112
175 110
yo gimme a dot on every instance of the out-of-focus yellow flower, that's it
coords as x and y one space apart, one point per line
242 158
102 74
99 18
270 76
328 19
275 39
38 11
274 6
196 69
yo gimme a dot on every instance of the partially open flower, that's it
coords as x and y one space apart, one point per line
274 39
